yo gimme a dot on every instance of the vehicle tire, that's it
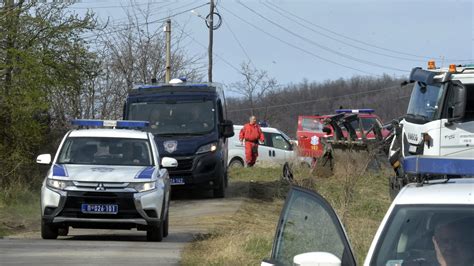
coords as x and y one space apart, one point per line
219 192
394 187
166 225
48 231
287 172
155 233
236 163
63 231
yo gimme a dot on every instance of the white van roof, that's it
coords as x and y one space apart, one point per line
264 129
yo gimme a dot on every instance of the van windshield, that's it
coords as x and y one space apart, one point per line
176 117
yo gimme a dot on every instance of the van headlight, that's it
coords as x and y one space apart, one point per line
207 148
143 186
58 184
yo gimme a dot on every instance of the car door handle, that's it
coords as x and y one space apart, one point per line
270 153
273 153
303 137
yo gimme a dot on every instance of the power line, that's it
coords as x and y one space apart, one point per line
145 23
319 45
170 11
338 40
294 46
356 40
314 101
123 6
181 29
238 41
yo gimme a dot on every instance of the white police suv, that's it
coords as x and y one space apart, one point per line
106 178
428 223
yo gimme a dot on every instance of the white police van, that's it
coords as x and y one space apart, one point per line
106 178
428 223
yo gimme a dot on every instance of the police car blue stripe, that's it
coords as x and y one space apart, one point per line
440 166
59 170
146 173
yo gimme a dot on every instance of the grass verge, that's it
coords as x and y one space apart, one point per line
19 210
360 200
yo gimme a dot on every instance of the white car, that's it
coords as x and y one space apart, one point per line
426 223
277 148
106 178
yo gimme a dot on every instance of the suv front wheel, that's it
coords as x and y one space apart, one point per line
155 233
48 230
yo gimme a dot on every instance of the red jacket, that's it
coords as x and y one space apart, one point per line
251 133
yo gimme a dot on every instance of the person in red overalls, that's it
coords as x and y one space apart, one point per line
252 134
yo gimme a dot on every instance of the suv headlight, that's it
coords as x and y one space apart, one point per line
144 186
58 184
207 148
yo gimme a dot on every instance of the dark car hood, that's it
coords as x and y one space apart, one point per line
172 146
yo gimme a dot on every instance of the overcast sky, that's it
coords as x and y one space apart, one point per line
319 40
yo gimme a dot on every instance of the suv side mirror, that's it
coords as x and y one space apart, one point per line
168 162
457 109
43 159
226 129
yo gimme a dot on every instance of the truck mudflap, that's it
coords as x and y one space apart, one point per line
438 165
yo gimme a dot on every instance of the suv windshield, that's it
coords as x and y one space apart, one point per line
421 235
106 151
425 102
176 117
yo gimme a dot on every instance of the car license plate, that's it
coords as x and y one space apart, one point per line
99 208
177 181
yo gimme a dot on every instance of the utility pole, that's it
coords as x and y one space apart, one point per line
168 50
211 37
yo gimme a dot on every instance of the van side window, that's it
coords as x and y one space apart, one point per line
279 142
469 113
268 139
220 114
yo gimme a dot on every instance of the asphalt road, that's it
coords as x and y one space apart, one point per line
188 217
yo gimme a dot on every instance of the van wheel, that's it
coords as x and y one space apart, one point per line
154 233
48 231
236 163
219 192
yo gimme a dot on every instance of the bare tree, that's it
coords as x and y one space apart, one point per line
254 86
134 53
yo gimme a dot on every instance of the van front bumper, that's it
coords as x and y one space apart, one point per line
199 171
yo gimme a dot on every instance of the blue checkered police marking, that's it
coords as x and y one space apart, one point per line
146 173
59 170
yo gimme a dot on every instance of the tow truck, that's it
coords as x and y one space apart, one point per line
435 139
310 129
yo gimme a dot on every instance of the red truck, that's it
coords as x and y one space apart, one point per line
310 130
